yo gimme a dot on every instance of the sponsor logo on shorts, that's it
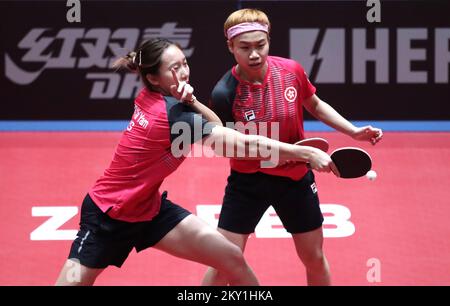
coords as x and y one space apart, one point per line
314 187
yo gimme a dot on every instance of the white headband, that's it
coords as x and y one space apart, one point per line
246 27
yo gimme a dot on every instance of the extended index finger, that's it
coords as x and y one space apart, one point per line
175 77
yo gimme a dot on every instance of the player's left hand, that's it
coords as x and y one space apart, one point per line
368 133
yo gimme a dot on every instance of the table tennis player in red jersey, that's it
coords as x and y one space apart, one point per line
269 89
125 210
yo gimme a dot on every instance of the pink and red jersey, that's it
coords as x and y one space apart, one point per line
279 99
129 188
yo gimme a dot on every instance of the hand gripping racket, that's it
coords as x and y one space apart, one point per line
351 162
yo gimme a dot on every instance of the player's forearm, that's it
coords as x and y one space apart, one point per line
284 151
328 115
230 143
206 112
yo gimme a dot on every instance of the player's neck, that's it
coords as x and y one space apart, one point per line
255 77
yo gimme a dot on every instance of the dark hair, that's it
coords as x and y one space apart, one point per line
145 60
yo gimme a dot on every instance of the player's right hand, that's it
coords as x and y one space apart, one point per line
181 90
322 162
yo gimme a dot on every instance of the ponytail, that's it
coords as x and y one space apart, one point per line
126 62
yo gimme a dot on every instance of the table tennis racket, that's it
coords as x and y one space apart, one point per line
315 142
351 162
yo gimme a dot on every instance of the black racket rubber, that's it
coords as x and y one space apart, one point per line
351 162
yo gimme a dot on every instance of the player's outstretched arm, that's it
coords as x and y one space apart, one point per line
230 143
328 115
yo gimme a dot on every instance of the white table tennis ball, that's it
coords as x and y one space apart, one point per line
371 175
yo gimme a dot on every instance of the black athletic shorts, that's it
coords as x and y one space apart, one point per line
248 195
103 241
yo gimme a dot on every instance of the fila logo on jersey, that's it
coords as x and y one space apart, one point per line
250 115
314 187
290 94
